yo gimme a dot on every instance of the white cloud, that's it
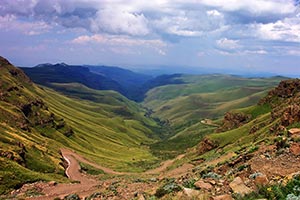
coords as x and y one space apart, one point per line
119 21
119 40
287 29
253 6
214 13
225 43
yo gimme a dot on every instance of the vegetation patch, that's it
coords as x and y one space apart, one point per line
90 169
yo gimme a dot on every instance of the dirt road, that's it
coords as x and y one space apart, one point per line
85 184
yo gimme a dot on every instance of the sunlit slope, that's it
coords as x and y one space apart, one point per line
36 122
102 132
267 123
208 96
184 106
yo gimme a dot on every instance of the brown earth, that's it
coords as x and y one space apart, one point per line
86 185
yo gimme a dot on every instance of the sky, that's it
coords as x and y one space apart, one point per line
234 35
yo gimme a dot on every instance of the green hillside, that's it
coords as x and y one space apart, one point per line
36 122
183 106
207 96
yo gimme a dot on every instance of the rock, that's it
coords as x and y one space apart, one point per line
52 183
238 186
141 197
191 193
202 185
206 145
295 149
290 115
233 120
261 180
223 197
72 197
294 131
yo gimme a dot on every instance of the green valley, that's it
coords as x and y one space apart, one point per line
190 132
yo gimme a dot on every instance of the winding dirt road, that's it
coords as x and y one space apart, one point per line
86 184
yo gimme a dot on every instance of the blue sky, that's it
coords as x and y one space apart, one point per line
242 35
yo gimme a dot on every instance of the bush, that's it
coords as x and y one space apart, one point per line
167 188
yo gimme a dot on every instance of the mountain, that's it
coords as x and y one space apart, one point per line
126 82
194 99
36 122
46 74
131 82
238 138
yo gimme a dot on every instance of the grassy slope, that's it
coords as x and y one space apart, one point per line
205 97
183 106
100 133
108 131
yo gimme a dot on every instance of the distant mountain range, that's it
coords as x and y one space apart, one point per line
130 84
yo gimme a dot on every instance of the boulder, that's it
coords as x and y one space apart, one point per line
238 186
203 185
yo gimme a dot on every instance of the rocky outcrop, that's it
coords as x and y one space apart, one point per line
286 89
290 115
206 145
233 120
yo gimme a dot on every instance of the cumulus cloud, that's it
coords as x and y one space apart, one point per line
233 27
187 18
258 7
287 29
118 21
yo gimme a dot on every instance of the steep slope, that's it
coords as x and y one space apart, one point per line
26 153
258 141
253 155
36 122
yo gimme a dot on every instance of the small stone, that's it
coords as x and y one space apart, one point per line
202 185
295 149
191 193
238 186
212 182
261 180
52 183
294 131
141 197
223 197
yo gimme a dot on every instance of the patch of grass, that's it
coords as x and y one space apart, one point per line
169 187
90 169
13 176
290 191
